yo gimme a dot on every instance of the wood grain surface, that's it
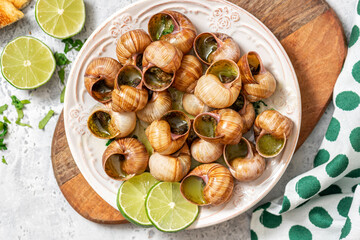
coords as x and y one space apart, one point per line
73 185
312 36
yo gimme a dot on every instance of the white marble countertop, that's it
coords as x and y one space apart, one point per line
31 204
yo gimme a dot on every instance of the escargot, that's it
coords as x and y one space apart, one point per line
187 75
207 184
161 60
219 126
272 130
169 133
246 111
170 168
125 158
244 162
104 123
130 47
158 104
173 27
129 94
210 47
258 82
221 84
206 152
100 77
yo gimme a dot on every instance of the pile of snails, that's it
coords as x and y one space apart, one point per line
217 88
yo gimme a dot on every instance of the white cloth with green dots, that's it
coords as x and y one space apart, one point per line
324 203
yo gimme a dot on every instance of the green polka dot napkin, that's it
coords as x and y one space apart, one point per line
324 203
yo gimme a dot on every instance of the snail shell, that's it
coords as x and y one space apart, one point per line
104 123
157 106
206 152
274 127
210 47
221 85
193 105
180 31
244 163
169 133
99 78
258 82
219 126
219 183
129 94
125 158
246 111
273 122
131 45
189 72
170 168
161 60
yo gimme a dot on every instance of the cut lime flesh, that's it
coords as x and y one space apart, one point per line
27 63
131 198
167 209
60 18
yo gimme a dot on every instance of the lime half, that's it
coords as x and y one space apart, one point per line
131 198
167 209
59 18
27 63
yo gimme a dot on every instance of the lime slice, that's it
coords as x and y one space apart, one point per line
59 18
27 63
131 198
167 209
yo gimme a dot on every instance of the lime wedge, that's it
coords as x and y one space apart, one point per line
167 209
59 18
131 198
27 63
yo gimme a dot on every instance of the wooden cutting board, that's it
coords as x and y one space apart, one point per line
312 36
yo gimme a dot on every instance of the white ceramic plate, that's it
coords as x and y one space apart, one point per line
207 15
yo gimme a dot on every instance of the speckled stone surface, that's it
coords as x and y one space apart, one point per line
31 204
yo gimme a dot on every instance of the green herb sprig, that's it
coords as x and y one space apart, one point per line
71 44
19 105
3 108
46 119
110 141
62 61
3 132
3 160
6 120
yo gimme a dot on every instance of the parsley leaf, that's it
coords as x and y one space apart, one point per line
3 160
3 129
19 105
46 119
78 44
61 59
168 31
70 44
110 141
2 144
62 95
61 74
6 120
3 108
257 106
